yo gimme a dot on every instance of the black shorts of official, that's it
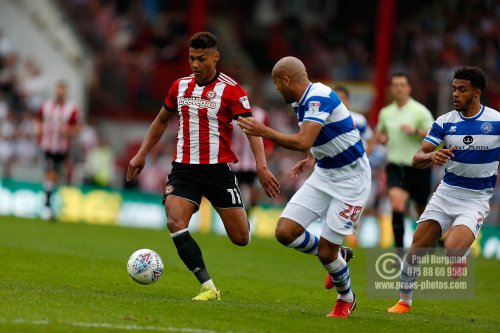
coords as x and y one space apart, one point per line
216 182
246 177
53 161
417 182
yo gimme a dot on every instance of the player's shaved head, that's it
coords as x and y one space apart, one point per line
290 78
291 67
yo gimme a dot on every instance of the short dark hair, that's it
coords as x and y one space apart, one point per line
475 75
401 74
203 40
343 89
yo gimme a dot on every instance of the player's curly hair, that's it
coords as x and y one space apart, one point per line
475 75
203 40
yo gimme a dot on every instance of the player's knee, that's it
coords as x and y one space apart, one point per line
283 235
241 239
175 224
452 249
326 256
455 252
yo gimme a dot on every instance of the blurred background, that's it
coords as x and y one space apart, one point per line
120 57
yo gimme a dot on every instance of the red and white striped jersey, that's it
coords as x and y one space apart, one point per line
241 146
205 116
55 118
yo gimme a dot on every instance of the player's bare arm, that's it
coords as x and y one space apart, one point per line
303 165
301 141
427 155
156 130
266 178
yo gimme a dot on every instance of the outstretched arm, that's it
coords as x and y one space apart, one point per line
301 141
154 134
427 155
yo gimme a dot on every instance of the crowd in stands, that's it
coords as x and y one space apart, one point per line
139 49
335 40
22 90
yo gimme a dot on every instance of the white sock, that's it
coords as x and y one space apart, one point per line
306 242
408 275
210 284
339 271
405 297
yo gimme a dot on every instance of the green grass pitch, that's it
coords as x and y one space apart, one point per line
61 277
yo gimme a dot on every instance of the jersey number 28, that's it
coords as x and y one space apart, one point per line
351 212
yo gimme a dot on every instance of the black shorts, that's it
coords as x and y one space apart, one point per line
216 182
417 182
246 177
53 161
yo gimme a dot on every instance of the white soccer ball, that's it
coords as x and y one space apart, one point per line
145 266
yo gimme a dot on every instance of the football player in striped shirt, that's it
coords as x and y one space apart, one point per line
470 153
338 189
359 120
206 102
56 124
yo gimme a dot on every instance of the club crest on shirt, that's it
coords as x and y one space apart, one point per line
486 128
314 106
244 101
169 189
211 94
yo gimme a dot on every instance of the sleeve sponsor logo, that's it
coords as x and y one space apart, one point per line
314 106
244 101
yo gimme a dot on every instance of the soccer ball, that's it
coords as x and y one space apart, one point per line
145 266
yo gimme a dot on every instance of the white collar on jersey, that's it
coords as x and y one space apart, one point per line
305 93
481 110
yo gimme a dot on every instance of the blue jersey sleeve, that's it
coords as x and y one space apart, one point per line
318 108
435 134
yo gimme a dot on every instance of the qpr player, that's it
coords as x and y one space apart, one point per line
470 153
338 189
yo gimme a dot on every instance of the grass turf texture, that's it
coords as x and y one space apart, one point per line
59 277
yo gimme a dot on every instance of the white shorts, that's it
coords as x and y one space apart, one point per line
449 211
338 204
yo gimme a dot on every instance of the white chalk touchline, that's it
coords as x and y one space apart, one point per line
109 325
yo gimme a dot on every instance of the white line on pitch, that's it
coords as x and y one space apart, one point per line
111 326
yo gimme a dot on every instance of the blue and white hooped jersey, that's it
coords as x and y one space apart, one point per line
338 147
477 151
363 127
